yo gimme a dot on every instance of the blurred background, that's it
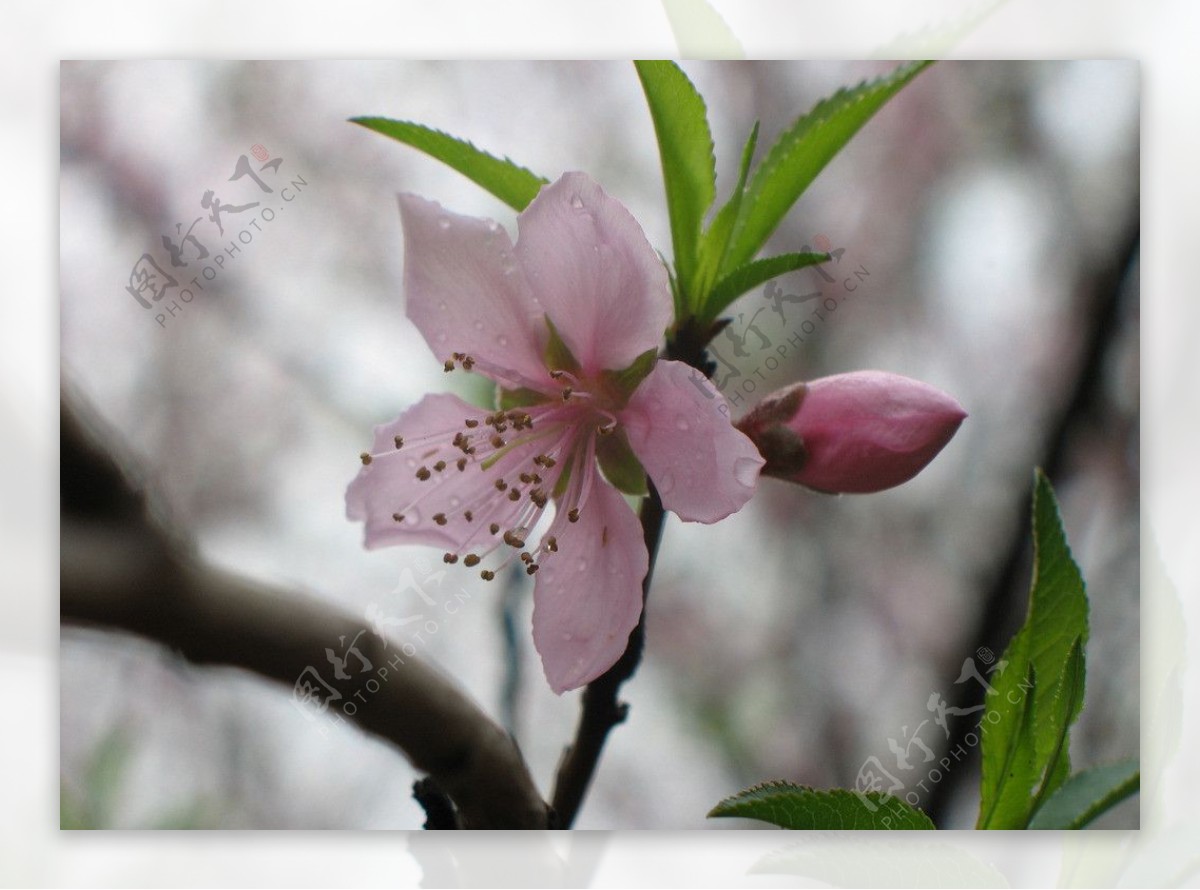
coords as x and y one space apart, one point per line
987 229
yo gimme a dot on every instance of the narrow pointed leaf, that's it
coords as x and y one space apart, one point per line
752 275
508 181
1037 696
1088 795
685 145
801 808
714 243
803 151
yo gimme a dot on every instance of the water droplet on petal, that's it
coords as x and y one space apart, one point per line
443 222
454 502
582 565
441 338
576 201
745 470
493 226
502 340
478 325
567 636
681 422
412 516
442 305
412 463
667 483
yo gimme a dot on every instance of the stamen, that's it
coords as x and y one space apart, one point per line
439 518
470 560
399 440
500 484
471 423
515 494
551 543
365 458
399 517
439 466
487 575
494 527
448 366
461 463
531 569
573 516
423 474
512 539
469 516
450 558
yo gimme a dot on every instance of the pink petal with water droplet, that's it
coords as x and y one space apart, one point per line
465 292
678 426
595 274
588 596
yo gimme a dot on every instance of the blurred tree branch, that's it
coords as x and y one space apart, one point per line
123 571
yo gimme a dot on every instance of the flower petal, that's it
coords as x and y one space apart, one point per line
678 426
588 594
388 485
594 273
466 293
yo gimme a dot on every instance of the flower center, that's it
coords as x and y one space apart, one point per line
527 456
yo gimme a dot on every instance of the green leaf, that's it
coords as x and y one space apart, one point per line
700 32
1037 696
802 808
714 243
753 274
1086 795
558 354
620 465
511 183
522 397
685 145
803 151
622 383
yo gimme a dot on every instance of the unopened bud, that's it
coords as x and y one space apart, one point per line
855 433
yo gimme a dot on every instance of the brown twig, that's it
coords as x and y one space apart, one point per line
121 572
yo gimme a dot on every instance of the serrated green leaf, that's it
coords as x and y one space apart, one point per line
802 152
1087 795
508 181
1026 730
685 146
806 809
753 274
714 243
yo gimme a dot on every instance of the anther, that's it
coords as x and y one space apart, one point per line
399 517
512 539
468 515
461 463
497 441
439 466
526 478
538 497
573 516
423 473
470 560
487 575
468 363
365 458
515 494
399 440
494 527
448 366
471 424
439 518
557 375
531 569
527 557
450 558
567 393
500 484
552 544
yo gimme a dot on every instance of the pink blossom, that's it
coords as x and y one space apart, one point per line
855 433
568 322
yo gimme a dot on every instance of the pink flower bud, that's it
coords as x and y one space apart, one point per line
856 433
